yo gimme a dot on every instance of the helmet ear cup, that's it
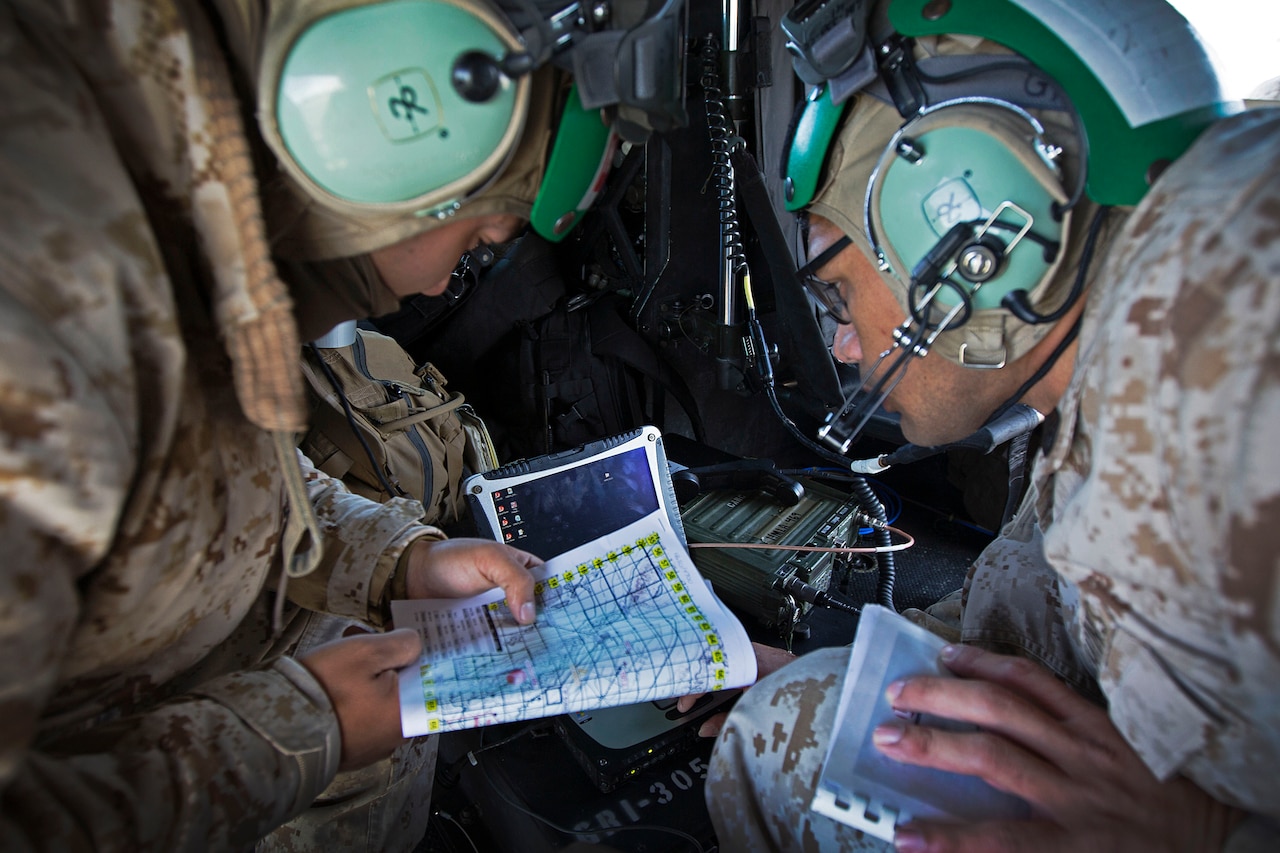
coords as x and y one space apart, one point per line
361 105
976 162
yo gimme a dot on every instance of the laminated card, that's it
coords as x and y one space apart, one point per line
862 787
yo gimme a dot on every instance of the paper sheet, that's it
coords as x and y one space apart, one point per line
621 620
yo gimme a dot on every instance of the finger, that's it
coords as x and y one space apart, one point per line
524 558
507 571
684 703
1018 674
517 555
456 568
985 837
391 651
998 761
367 653
712 725
988 705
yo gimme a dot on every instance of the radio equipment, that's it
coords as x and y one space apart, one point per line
779 587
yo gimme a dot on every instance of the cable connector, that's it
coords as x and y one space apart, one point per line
865 519
869 466
802 591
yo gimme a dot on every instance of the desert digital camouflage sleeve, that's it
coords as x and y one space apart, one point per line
1166 507
363 543
139 510
93 752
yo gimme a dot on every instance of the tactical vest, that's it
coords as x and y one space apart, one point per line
411 437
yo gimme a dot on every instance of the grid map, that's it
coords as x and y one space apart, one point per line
620 624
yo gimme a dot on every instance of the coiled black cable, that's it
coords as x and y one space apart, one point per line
871 503
722 145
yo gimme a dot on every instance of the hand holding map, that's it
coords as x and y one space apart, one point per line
621 620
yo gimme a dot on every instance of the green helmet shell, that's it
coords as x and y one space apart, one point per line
1138 75
580 157
807 153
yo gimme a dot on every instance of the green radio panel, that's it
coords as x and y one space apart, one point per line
748 579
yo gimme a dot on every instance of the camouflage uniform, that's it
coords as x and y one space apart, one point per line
1143 562
149 396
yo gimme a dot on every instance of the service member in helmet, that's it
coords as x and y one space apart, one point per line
981 245
185 186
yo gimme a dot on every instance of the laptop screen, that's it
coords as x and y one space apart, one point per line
565 509
551 504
